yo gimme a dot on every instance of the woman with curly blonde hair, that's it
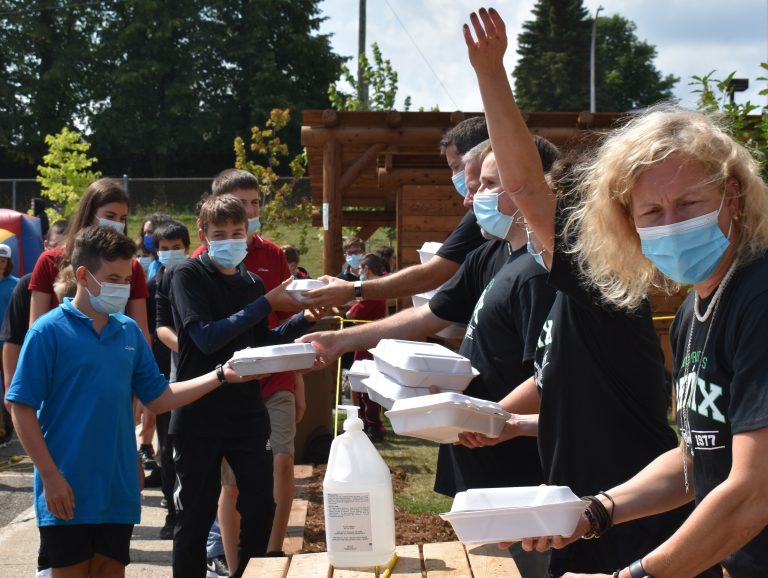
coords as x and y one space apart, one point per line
670 198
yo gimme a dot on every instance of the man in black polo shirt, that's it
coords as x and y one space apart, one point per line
219 307
501 292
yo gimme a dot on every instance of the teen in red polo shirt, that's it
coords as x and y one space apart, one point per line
281 397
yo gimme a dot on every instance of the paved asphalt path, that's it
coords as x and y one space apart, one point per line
16 486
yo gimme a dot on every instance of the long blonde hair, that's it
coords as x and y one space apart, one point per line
606 242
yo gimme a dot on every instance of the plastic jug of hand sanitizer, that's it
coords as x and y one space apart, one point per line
357 494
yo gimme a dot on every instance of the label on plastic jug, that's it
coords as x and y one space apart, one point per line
348 522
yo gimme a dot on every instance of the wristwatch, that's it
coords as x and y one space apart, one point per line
220 375
636 570
358 290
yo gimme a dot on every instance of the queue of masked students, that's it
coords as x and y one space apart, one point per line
550 269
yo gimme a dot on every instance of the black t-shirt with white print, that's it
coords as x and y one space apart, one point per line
603 413
731 392
502 334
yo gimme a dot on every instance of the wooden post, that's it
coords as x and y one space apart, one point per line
399 240
332 257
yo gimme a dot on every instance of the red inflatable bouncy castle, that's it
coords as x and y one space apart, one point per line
23 235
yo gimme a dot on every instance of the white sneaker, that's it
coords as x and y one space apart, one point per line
47 573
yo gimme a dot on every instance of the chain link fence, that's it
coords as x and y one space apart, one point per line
175 195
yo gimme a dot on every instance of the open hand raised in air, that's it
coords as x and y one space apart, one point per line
487 54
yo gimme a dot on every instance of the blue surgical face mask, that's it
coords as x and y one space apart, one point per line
532 250
170 258
254 226
149 243
228 253
145 263
486 207
354 261
112 299
687 252
460 183
362 277
116 225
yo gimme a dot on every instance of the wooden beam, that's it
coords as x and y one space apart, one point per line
308 566
332 251
408 563
266 568
360 218
402 177
490 561
366 232
446 560
399 242
364 161
312 137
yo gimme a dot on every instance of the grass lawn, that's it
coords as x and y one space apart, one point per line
312 261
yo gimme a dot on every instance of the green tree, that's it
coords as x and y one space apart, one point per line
263 54
625 76
381 79
66 172
552 74
47 73
150 53
553 71
276 211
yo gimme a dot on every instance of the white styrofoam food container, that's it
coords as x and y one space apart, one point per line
419 364
428 250
485 516
386 391
442 417
423 298
273 359
360 369
455 331
298 286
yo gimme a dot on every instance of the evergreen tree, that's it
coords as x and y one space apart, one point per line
553 71
552 74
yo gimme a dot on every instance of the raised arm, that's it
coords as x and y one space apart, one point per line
409 281
411 324
519 163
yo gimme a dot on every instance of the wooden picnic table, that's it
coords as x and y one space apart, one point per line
441 560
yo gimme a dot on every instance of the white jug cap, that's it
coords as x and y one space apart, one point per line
353 422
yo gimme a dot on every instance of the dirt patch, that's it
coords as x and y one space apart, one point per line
409 528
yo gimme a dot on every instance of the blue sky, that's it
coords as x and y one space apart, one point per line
692 37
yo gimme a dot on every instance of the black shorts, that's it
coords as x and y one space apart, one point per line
63 546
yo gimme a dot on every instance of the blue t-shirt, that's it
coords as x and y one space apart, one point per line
7 285
81 385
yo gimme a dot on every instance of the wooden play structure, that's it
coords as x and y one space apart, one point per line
384 169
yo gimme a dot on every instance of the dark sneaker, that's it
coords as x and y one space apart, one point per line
147 455
166 532
217 567
155 479
376 436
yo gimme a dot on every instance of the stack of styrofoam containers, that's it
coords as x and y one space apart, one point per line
455 331
406 369
484 516
442 417
273 359
360 369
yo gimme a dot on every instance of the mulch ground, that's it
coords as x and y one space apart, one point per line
409 528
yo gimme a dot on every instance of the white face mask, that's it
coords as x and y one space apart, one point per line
170 258
112 299
116 225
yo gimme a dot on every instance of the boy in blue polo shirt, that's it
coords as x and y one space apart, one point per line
72 389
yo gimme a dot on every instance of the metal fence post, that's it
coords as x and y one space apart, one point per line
14 195
125 183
